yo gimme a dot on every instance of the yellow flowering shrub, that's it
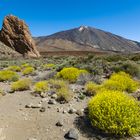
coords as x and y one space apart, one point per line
14 68
64 94
62 90
28 70
21 85
115 112
25 65
7 75
92 88
2 93
48 66
41 86
122 82
71 74
57 84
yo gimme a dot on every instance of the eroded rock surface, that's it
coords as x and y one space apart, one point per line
15 34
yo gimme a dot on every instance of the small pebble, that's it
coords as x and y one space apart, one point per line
43 109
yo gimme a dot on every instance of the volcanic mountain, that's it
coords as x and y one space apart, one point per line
86 38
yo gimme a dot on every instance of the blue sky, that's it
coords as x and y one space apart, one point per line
45 17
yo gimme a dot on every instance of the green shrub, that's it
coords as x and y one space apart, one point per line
57 84
92 88
21 85
116 58
25 65
2 93
64 94
28 71
135 57
62 90
115 112
71 74
14 68
48 66
122 82
7 75
41 86
129 67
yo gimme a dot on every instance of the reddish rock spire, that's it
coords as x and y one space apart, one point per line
15 34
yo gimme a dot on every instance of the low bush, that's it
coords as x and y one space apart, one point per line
7 75
115 112
64 94
115 58
129 67
71 74
57 84
92 88
21 85
28 71
41 86
84 78
14 68
25 65
2 93
122 82
62 90
48 66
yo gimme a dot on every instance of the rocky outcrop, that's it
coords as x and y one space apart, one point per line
8 53
15 34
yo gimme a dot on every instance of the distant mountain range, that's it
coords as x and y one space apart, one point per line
86 38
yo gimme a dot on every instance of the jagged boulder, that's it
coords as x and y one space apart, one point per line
15 34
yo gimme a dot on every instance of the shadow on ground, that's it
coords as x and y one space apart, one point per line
84 126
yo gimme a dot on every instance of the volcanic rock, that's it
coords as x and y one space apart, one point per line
16 35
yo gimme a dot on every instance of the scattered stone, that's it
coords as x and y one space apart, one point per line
85 110
59 123
49 107
51 102
51 92
28 106
58 109
64 111
42 109
37 106
44 100
63 130
72 135
78 100
11 91
72 111
43 95
137 138
79 112
54 96
136 95
32 139
33 106
35 94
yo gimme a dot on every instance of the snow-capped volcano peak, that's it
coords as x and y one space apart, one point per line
81 28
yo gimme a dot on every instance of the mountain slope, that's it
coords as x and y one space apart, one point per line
86 38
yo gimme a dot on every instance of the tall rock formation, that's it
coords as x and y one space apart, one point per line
15 34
